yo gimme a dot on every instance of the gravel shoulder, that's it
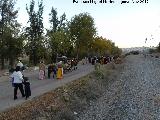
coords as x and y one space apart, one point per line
135 94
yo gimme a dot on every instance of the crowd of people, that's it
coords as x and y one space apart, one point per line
102 60
54 71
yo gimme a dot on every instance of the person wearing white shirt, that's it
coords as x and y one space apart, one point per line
17 81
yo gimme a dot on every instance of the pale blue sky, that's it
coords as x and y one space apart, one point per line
125 24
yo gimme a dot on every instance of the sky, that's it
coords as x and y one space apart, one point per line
126 24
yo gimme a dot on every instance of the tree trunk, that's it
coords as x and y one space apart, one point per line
35 58
11 62
77 56
2 62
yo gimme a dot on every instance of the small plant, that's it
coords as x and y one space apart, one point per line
97 66
99 74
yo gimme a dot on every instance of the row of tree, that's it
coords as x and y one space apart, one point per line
74 38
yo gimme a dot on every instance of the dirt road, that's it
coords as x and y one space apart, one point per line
38 87
135 94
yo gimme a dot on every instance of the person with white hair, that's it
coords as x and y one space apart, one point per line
20 64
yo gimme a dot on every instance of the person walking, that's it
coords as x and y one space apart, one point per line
60 71
50 70
17 78
42 70
20 64
54 70
27 87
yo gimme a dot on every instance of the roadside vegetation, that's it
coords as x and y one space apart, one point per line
72 38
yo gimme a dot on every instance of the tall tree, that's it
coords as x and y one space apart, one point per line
9 28
82 30
102 47
62 22
53 20
35 32
59 40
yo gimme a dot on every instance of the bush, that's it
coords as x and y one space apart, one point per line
134 52
152 50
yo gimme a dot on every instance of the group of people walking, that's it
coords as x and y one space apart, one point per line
20 82
54 71
102 60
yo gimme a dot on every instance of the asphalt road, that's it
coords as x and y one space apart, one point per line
38 87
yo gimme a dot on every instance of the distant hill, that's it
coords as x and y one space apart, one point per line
141 49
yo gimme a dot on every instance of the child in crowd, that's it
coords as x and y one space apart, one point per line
27 87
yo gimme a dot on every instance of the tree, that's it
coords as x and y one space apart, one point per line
158 47
53 20
9 32
59 40
82 31
102 47
35 43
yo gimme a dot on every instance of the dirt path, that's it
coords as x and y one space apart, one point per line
38 87
135 95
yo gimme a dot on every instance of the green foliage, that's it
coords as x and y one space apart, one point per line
59 42
69 38
82 31
151 50
11 42
59 39
101 47
99 71
53 20
35 44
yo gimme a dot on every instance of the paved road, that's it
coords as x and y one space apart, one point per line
38 87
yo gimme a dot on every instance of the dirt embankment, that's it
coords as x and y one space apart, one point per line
68 101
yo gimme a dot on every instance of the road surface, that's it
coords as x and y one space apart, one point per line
38 87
